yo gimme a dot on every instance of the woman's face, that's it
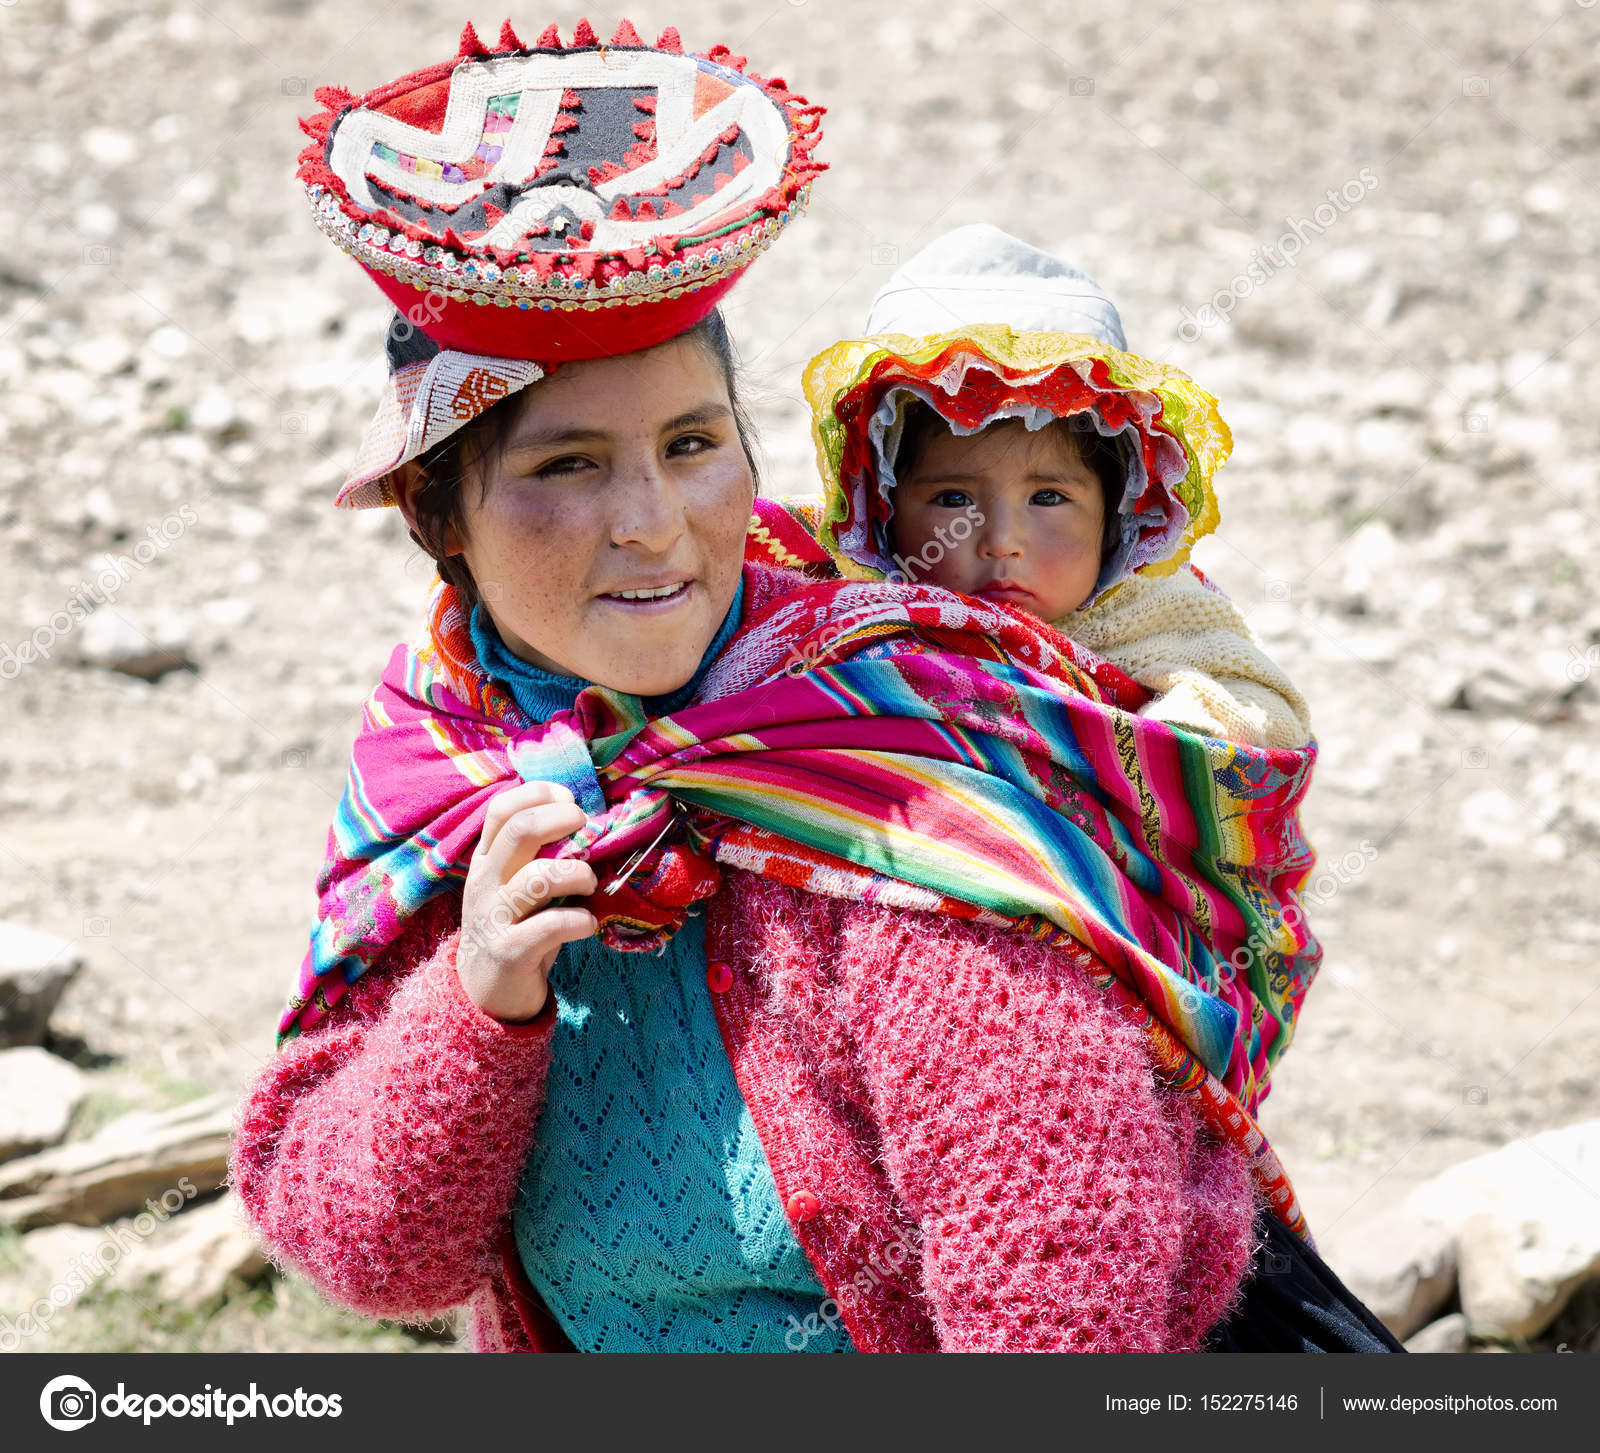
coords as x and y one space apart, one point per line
610 537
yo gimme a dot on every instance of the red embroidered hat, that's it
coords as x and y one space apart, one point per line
553 202
532 205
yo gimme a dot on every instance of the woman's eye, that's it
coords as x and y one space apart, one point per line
1048 497
687 444
566 464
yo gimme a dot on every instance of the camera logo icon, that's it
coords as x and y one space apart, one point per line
67 1402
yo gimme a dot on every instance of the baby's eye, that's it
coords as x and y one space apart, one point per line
951 499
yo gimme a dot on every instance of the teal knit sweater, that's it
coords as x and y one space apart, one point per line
646 1216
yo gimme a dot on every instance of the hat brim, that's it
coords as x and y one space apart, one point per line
422 404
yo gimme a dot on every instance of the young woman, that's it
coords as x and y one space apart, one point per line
812 1121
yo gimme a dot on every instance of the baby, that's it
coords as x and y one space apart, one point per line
1046 487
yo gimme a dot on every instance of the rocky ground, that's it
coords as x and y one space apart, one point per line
1409 518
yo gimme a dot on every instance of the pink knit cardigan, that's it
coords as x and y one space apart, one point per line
968 1141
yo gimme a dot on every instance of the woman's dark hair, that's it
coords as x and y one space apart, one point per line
447 466
1102 454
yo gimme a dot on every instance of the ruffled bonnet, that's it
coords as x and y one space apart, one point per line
981 326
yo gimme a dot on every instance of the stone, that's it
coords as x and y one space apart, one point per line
1397 391
39 1094
102 357
1311 436
1402 1266
112 1174
1495 819
1385 440
1369 557
1498 228
96 219
101 510
58 1264
146 645
1493 691
1384 304
1347 266
199 1255
53 1251
1544 199
1448 1334
214 412
169 342
228 611
110 148
1526 1220
35 968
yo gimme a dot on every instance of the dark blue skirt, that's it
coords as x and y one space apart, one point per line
1292 1302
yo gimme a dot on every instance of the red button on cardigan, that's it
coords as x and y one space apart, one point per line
719 976
802 1206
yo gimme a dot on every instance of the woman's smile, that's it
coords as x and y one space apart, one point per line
650 599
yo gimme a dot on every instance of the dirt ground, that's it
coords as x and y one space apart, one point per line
1409 518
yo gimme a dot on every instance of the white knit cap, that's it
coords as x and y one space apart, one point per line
979 274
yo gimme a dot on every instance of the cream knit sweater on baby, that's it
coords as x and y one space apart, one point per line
1178 636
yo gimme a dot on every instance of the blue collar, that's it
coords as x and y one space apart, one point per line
541 694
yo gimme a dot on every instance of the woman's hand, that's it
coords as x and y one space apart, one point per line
509 937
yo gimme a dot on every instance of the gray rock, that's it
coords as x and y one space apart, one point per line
1493 691
1526 1220
103 356
199 1255
1495 819
146 645
214 413
114 1173
34 970
110 148
58 1264
1448 1334
228 611
54 1251
38 1095
1400 1265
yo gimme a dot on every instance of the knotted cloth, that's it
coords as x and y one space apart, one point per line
887 743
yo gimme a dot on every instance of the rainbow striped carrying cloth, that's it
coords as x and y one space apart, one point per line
889 743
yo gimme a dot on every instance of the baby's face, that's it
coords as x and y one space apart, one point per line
1008 515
